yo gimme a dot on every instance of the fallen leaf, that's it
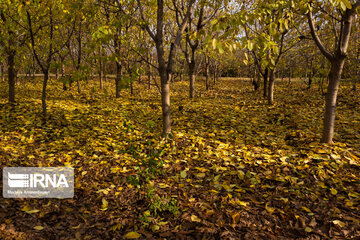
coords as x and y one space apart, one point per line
132 235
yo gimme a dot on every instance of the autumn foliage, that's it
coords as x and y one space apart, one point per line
233 168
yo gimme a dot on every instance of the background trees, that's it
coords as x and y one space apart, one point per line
126 40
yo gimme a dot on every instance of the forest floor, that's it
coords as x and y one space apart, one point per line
234 168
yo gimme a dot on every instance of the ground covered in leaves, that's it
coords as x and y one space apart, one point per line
234 168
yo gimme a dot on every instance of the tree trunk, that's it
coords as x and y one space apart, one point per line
100 70
118 79
270 92
78 86
192 79
43 96
356 79
207 76
165 101
3 72
149 77
214 76
132 87
331 97
11 75
265 77
33 68
255 79
289 75
310 81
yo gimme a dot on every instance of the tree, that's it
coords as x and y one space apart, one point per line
269 35
47 38
11 38
165 68
194 36
342 20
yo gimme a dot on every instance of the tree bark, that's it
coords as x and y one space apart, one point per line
118 79
271 84
331 97
214 75
3 72
78 86
165 101
207 76
43 95
149 76
132 87
265 77
100 70
11 74
192 78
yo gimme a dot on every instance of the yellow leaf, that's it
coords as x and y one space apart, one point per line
306 209
183 174
104 205
269 209
39 228
340 223
333 191
200 175
308 229
28 209
236 218
132 235
154 228
195 218
241 203
32 211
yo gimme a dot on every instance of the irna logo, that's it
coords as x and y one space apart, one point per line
16 180
38 182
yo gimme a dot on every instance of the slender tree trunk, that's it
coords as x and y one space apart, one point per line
100 70
265 77
33 68
192 79
132 87
78 86
149 76
255 81
356 79
165 102
62 75
310 81
11 75
331 97
270 96
43 96
207 76
3 72
118 79
214 76
290 75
